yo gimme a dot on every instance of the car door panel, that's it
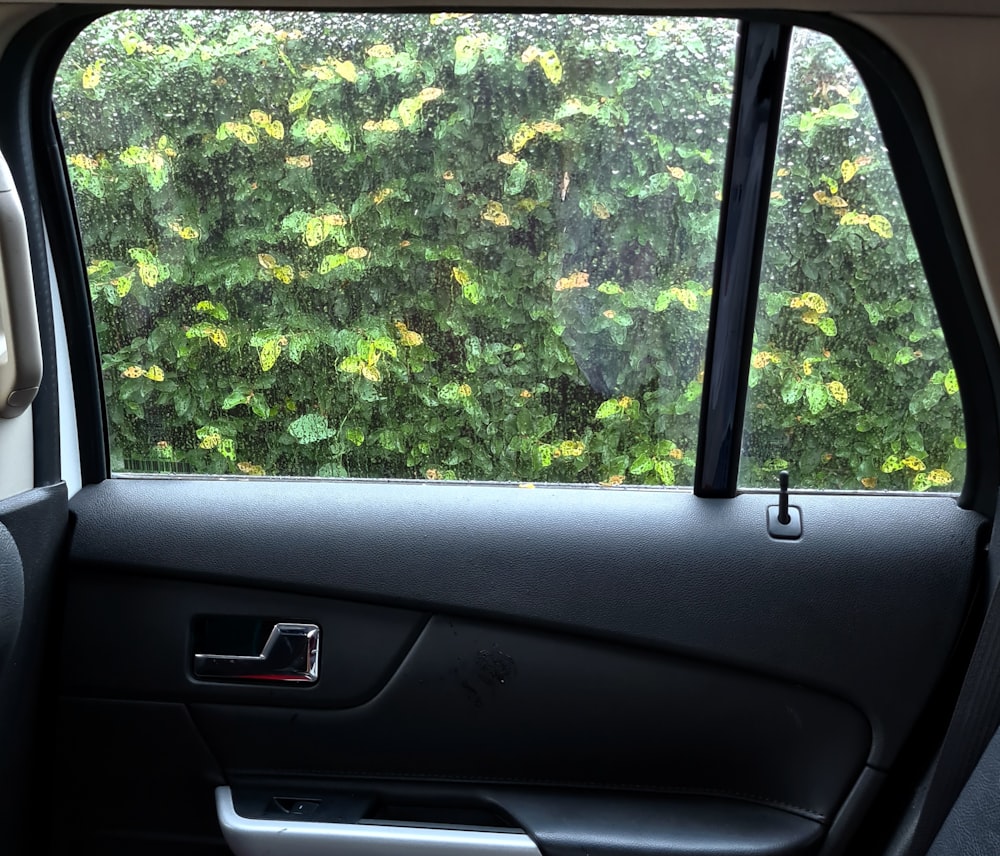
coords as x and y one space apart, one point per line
580 651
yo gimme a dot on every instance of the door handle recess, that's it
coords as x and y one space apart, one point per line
291 654
254 837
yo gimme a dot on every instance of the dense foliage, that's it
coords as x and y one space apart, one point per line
481 247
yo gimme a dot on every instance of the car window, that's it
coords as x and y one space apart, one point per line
481 247
851 385
413 246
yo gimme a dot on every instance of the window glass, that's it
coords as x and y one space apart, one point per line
851 386
442 246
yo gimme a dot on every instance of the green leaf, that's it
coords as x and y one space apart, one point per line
311 428
817 398
642 464
607 409
236 397
516 179
299 100
409 109
843 111
466 54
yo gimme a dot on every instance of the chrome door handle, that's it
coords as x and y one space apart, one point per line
290 654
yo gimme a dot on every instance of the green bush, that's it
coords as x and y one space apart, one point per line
481 247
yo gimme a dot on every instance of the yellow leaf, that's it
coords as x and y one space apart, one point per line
245 134
914 463
356 253
880 226
381 51
122 284
266 261
838 391
315 128
269 354
188 233
853 218
133 372
345 68
676 172
155 374
301 161
250 469
92 74
149 274
687 298
465 390
335 219
551 65
810 316
316 232
600 210
260 118
869 482
501 220
848 169
410 338
460 276
783 172
381 195
547 127
371 373
219 337
522 136
939 478
821 197
275 129
530 54
431 93
813 301
284 274
210 441
579 279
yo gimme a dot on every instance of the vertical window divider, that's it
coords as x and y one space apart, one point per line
761 63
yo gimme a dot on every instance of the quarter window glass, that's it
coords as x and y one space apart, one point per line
851 386
441 246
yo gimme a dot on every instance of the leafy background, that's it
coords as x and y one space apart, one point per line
481 247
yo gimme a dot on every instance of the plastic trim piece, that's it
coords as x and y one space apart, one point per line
252 837
760 83
20 342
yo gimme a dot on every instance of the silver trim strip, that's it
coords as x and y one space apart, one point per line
291 654
251 837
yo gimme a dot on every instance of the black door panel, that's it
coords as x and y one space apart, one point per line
488 703
862 606
617 659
